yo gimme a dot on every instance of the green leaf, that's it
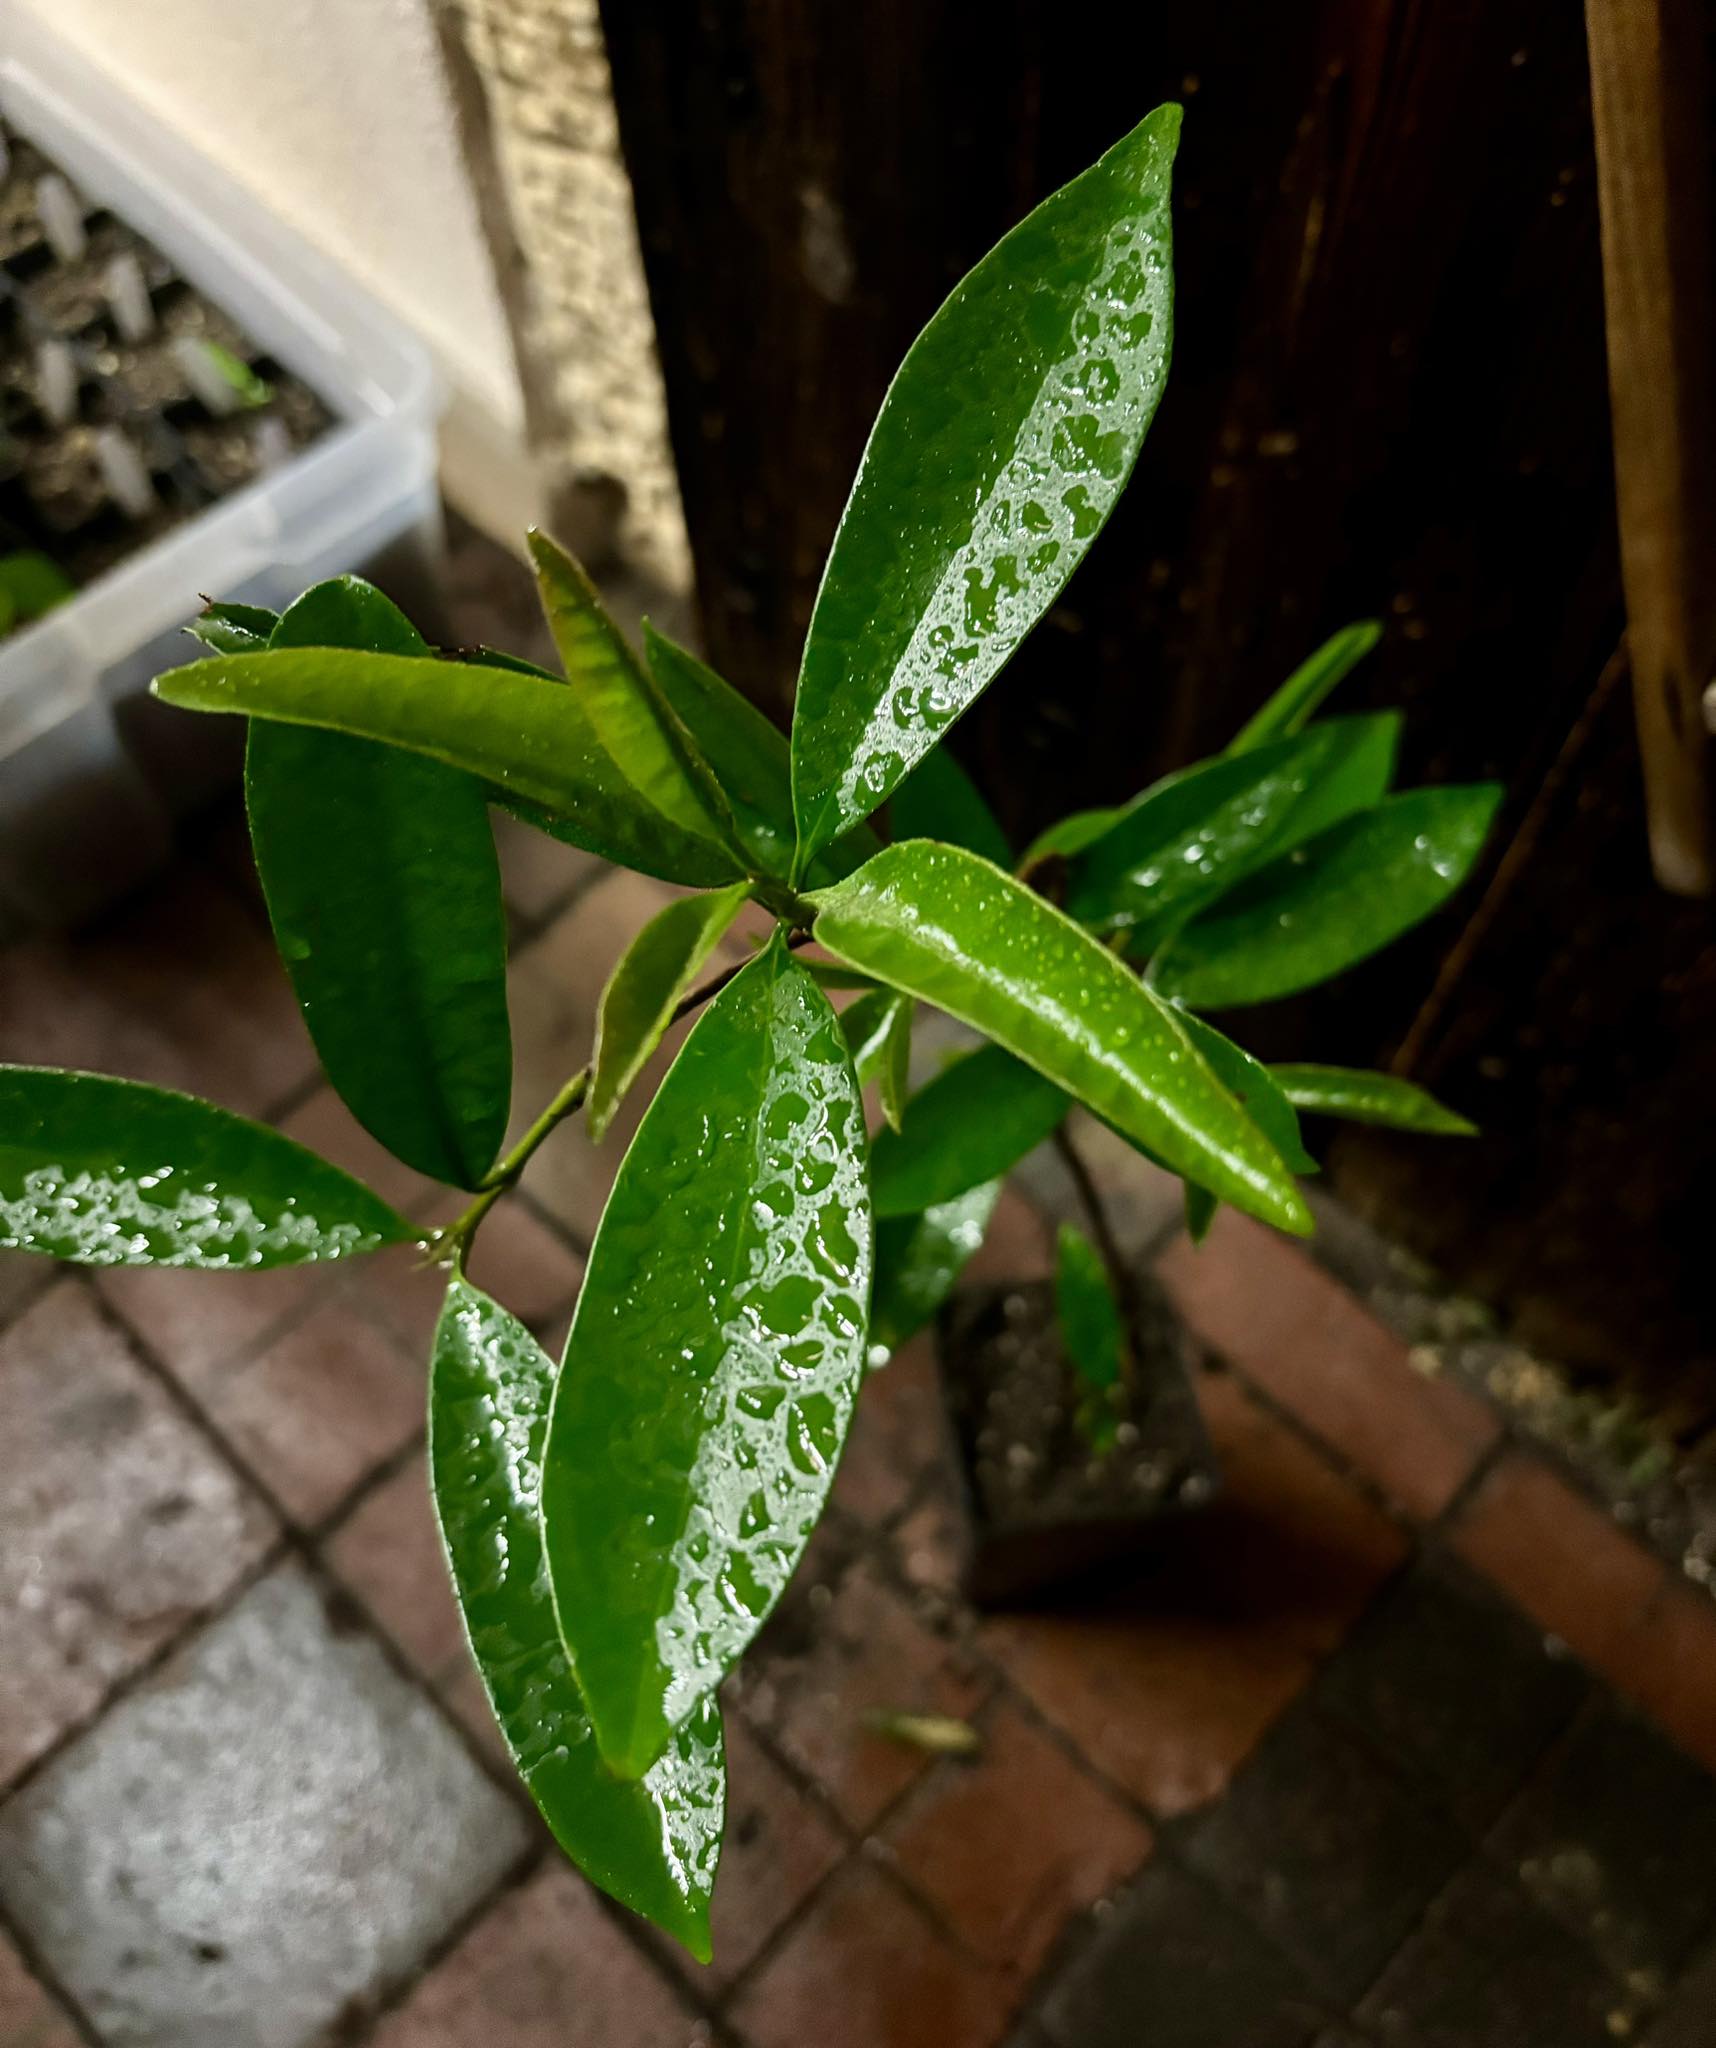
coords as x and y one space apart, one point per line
632 719
1190 838
830 974
1255 1088
749 755
878 1032
973 1122
938 800
655 971
960 934
31 585
117 1173
999 452
746 751
652 1844
1366 1098
1069 835
1331 902
1092 1328
533 741
384 892
919 1259
1299 697
234 628
714 1358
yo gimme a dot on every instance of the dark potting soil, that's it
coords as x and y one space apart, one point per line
1051 1495
128 403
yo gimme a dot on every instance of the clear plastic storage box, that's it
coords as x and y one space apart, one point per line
92 770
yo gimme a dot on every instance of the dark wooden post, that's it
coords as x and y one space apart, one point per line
1389 396
1650 103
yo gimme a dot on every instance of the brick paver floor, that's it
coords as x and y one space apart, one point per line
1402 1743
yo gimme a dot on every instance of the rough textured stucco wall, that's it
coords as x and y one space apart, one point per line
583 308
337 111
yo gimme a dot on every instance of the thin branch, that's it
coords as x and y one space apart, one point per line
453 1243
1102 1232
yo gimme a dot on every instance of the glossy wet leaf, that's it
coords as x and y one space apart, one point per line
382 885
962 935
976 1120
1361 1097
918 1261
1191 837
234 628
999 452
115 1173
1330 903
878 1032
632 719
1255 1088
938 800
531 740
660 965
1299 698
653 1843
1092 1328
713 1360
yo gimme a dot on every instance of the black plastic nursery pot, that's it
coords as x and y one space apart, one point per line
1051 1500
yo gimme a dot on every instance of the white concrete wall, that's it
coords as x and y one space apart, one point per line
336 112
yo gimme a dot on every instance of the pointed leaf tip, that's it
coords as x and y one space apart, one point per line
652 1845
1001 447
106 1172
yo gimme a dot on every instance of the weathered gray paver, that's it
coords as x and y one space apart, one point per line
121 1521
264 1836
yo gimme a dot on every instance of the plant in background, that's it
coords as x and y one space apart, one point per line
619 1526
30 587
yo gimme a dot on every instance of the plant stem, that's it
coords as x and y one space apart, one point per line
451 1245
1102 1234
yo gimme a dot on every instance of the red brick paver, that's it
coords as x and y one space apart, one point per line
544 1968
122 1522
29 2016
1571 1568
1169 1682
319 1409
517 1258
196 1324
324 1123
1266 1306
1013 1844
778 1848
388 1552
898 1435
182 989
868 1654
868 1968
1669 1661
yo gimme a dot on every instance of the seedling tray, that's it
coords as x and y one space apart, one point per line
191 403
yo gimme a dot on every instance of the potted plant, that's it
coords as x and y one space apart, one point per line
619 1527
1254 875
